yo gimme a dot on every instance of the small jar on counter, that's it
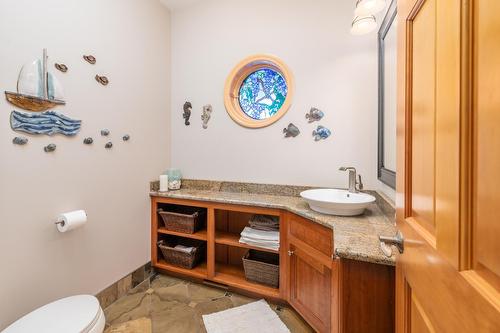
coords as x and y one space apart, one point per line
174 179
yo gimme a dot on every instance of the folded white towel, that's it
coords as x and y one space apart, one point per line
265 245
187 249
260 234
263 241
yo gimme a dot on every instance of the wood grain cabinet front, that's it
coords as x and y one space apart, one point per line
310 288
335 295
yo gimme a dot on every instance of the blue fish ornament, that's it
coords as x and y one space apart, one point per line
321 133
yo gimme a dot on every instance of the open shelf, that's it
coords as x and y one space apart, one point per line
234 276
221 227
200 271
201 234
232 239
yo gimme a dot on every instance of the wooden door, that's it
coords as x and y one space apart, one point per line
310 286
448 186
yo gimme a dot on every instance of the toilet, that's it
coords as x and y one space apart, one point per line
75 314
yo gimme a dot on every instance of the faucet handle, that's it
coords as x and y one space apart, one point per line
359 183
347 168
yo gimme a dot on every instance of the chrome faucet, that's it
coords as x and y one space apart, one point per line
355 183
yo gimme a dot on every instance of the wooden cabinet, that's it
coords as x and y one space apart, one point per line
309 248
310 287
333 295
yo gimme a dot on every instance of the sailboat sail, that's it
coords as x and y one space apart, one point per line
30 80
54 88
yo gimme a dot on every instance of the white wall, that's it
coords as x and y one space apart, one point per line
130 39
334 71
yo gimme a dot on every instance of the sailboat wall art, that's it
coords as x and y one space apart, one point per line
37 88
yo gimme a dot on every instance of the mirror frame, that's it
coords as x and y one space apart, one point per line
385 175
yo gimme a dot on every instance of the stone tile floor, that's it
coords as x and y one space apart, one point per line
171 305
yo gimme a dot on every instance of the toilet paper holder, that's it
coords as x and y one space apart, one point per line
61 222
71 220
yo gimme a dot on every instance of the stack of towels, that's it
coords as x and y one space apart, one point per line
186 249
262 232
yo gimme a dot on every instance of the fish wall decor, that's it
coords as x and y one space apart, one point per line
102 80
108 145
48 122
314 115
205 116
61 67
291 131
126 137
37 88
50 148
88 141
20 140
105 132
321 133
90 59
187 113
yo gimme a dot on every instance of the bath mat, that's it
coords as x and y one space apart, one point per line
249 318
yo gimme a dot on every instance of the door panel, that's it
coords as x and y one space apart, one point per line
419 320
486 226
424 116
310 289
448 278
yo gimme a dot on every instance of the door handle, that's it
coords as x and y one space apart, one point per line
398 240
290 253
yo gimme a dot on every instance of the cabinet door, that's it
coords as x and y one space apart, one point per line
310 286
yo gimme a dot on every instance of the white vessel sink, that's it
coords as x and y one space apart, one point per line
337 202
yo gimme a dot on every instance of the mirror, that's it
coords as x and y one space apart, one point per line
387 95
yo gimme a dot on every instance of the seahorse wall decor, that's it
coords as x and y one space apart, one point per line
187 112
205 116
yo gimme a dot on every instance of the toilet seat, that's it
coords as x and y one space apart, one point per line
75 314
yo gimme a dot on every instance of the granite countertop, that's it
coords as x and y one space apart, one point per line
353 237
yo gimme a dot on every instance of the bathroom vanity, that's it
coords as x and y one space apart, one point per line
332 270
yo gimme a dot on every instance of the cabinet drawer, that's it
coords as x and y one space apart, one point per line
311 233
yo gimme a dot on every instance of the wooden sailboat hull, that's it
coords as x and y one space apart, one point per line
32 103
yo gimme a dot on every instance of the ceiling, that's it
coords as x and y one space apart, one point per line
174 4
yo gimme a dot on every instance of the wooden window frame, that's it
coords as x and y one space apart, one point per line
239 73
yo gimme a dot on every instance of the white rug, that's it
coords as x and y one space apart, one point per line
250 318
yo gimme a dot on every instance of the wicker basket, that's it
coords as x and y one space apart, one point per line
180 258
183 218
262 267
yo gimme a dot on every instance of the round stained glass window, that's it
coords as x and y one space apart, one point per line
258 91
263 93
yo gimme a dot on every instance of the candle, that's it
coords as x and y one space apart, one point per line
163 183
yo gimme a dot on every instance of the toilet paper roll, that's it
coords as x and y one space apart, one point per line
71 220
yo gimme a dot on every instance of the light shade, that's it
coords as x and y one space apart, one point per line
368 7
362 25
